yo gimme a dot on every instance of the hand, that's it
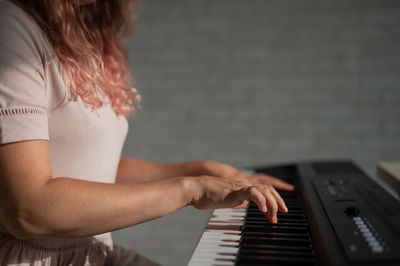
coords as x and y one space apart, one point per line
211 193
264 179
214 168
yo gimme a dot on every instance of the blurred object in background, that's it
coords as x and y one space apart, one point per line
389 172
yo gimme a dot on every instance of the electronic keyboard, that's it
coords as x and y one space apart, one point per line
337 216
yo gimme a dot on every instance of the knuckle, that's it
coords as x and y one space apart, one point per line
281 202
274 206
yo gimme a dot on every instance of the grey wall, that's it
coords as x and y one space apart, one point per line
257 82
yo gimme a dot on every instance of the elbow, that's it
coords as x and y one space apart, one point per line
23 225
26 227
19 231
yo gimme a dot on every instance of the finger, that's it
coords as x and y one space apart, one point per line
271 205
280 184
242 205
281 203
237 199
273 181
256 196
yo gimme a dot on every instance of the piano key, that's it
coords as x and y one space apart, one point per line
230 230
275 241
266 223
261 260
214 239
276 252
279 214
262 218
276 247
212 263
223 239
222 258
227 226
273 228
233 222
221 233
208 240
202 261
217 249
231 211
274 234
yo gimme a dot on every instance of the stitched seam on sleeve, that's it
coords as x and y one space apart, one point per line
22 110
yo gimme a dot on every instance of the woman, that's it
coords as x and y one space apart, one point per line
64 96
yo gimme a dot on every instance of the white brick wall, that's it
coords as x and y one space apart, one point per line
257 82
307 78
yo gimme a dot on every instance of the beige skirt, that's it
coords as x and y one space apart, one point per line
97 250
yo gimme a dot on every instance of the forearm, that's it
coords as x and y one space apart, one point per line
132 170
74 208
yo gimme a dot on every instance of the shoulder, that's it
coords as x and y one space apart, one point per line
21 36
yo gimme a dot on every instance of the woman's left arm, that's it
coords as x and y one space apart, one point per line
132 170
224 170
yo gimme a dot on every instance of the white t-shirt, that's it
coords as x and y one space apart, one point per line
34 104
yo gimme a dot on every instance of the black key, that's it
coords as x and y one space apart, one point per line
275 241
272 234
284 220
269 252
272 260
279 223
276 247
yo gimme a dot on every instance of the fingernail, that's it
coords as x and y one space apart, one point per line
286 209
264 209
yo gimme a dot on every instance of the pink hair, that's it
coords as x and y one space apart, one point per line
88 41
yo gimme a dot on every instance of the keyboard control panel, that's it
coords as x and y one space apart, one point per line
363 236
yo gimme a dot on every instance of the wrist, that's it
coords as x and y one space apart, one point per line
188 188
195 168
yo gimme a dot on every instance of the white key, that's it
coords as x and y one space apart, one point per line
216 249
219 243
222 238
214 260
224 226
206 263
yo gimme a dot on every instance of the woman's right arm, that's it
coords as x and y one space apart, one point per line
33 204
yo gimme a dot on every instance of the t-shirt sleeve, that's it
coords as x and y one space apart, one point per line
23 114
